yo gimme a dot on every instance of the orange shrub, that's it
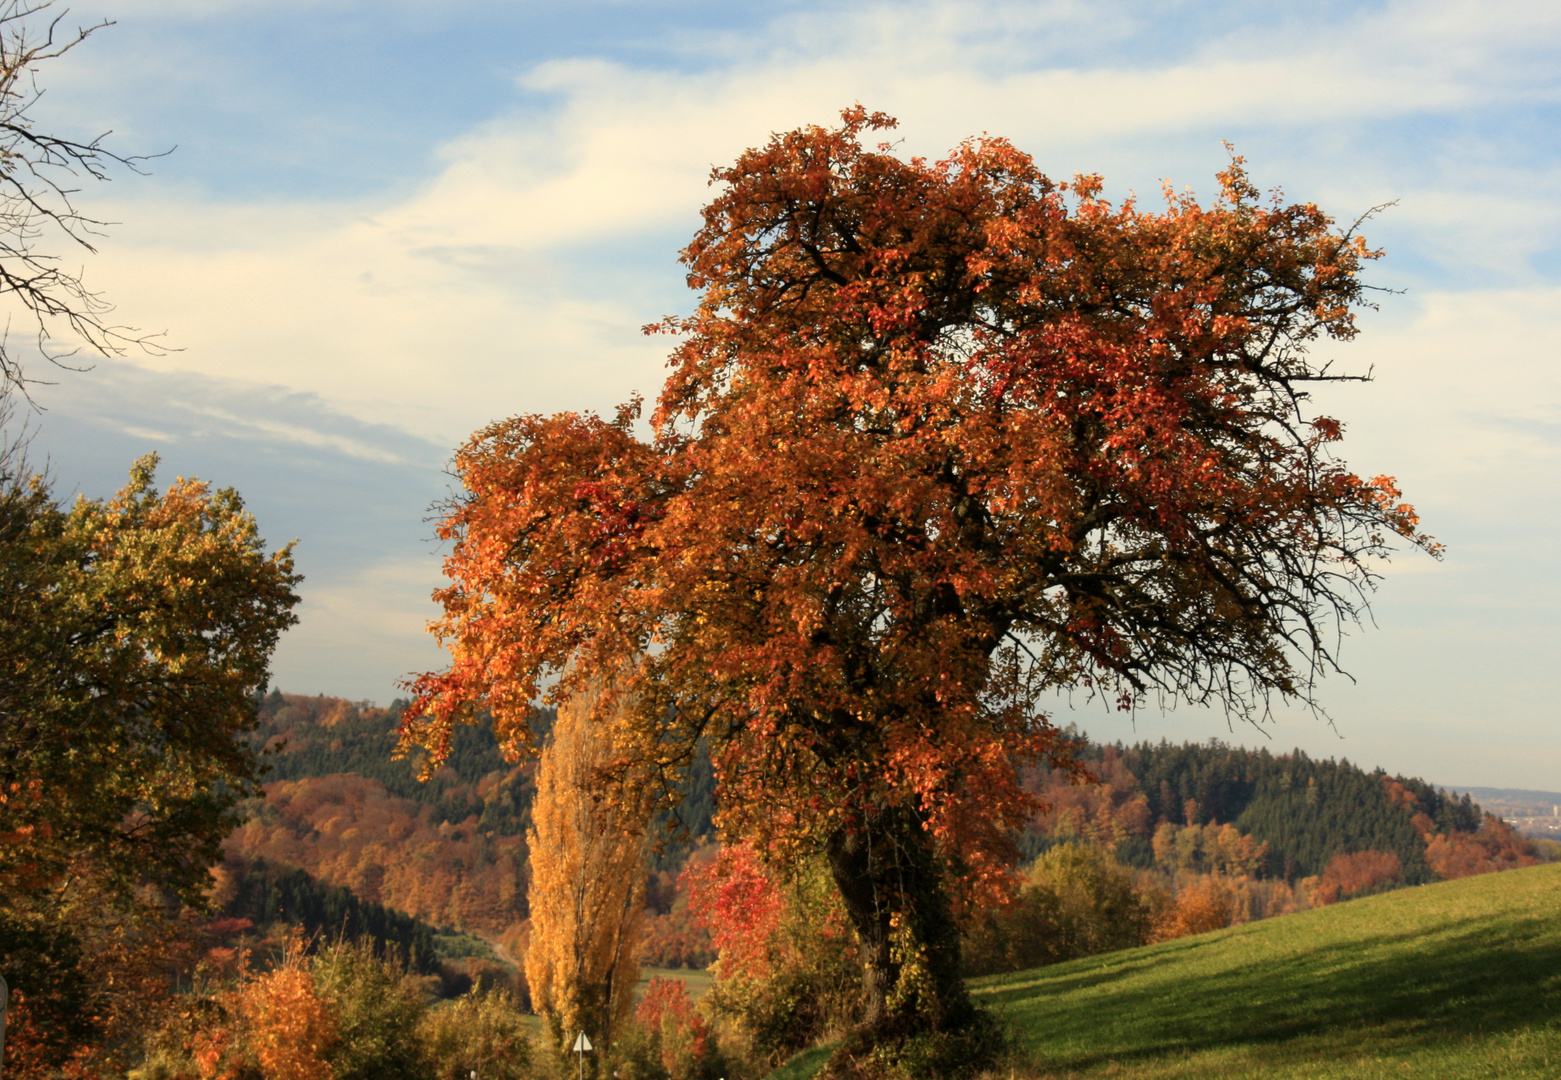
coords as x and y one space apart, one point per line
291 1028
1205 904
1497 846
1355 874
667 1014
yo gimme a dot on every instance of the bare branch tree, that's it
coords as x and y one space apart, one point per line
40 176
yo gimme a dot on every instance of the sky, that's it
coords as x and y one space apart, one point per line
385 224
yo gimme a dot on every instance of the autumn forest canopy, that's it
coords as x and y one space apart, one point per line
760 679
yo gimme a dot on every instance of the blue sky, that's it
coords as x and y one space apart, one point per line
388 223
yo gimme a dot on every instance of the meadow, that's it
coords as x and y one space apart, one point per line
1451 980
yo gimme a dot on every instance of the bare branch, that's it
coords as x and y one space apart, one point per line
40 177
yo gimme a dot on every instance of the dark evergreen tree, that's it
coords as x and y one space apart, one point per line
270 893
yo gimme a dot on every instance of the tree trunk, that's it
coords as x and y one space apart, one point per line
892 883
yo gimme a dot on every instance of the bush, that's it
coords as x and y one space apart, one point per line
481 1032
788 971
343 1014
1351 874
377 1009
670 1034
1203 904
1077 901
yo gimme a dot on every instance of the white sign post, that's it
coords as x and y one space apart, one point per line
582 1044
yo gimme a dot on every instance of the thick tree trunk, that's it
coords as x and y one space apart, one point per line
892 883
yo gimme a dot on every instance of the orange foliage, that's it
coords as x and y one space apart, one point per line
291 1028
1354 874
1400 796
588 845
1497 846
83 1014
1211 848
1206 903
1105 812
675 939
31 1047
925 416
348 830
735 899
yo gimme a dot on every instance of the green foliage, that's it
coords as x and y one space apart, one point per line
1306 810
1077 901
1099 909
450 945
377 1013
482 1032
133 637
134 633
967 1051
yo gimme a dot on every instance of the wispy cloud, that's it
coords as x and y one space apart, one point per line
493 288
505 263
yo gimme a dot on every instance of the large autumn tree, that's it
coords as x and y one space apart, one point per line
940 438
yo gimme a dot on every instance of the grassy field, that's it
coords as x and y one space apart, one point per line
695 980
1447 981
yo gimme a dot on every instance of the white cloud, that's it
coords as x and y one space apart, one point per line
463 302
515 279
380 611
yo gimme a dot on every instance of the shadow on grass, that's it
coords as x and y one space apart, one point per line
1462 979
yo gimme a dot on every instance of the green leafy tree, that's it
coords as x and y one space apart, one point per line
134 638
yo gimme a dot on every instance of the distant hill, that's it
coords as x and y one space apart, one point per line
1303 811
1517 801
1534 813
325 736
451 851
261 895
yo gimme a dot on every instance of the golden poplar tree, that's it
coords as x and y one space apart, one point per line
587 893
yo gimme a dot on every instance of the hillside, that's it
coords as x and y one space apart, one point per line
1452 980
450 851
1157 803
1455 979
1278 831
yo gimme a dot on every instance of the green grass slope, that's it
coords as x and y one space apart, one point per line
1458 979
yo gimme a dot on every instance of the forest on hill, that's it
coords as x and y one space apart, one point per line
1300 812
1282 831
450 851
